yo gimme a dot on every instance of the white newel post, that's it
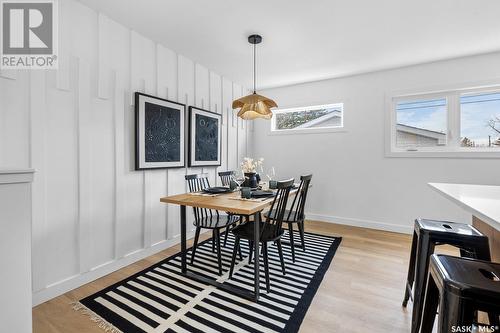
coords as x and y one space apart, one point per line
15 250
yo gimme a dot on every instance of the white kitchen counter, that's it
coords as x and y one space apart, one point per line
482 201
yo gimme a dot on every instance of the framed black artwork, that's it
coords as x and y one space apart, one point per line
159 133
205 137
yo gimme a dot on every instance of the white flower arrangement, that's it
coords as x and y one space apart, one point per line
249 165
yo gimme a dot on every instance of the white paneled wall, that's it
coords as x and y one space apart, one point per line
215 98
92 212
232 128
227 95
13 124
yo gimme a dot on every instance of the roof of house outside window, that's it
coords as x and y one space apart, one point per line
330 119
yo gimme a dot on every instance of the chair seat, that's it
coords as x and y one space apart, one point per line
289 217
465 277
216 221
447 228
245 231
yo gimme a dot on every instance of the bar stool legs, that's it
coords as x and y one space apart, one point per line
411 269
424 250
482 251
430 306
457 312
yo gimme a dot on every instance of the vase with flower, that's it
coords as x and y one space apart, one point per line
249 167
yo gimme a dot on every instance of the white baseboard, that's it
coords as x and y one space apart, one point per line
73 282
404 229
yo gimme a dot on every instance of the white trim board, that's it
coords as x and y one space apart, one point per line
76 281
404 229
12 176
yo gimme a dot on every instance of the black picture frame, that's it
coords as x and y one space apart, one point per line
207 149
164 122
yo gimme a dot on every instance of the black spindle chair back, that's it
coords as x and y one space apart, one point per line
271 232
296 212
279 206
197 183
225 177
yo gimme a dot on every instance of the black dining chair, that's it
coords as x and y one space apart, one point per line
226 177
205 218
270 231
295 214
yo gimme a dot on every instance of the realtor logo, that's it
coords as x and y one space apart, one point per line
29 34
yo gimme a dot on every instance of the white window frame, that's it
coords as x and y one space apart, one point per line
452 149
330 129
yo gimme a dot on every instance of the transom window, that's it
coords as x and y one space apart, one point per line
457 121
308 118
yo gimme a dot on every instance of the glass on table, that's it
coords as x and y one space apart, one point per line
271 176
239 178
246 192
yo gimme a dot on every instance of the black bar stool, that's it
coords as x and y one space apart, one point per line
461 286
426 235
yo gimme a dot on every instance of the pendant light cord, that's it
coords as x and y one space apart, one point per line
254 70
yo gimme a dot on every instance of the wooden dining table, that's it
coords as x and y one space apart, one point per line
230 203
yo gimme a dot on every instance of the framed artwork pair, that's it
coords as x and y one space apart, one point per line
160 134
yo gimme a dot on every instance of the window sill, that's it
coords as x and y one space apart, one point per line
459 153
308 131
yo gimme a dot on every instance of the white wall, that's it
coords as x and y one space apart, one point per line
354 183
15 246
92 212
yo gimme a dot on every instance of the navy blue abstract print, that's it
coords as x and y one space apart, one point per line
207 138
162 131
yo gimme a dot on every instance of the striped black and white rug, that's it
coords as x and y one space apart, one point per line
160 299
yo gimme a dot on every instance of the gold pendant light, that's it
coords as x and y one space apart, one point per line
254 106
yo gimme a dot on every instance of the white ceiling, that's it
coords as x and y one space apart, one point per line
315 39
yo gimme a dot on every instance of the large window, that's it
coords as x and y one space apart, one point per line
480 120
421 123
457 122
308 119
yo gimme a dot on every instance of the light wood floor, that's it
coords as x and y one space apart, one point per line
361 292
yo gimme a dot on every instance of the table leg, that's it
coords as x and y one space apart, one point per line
256 261
183 239
247 294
